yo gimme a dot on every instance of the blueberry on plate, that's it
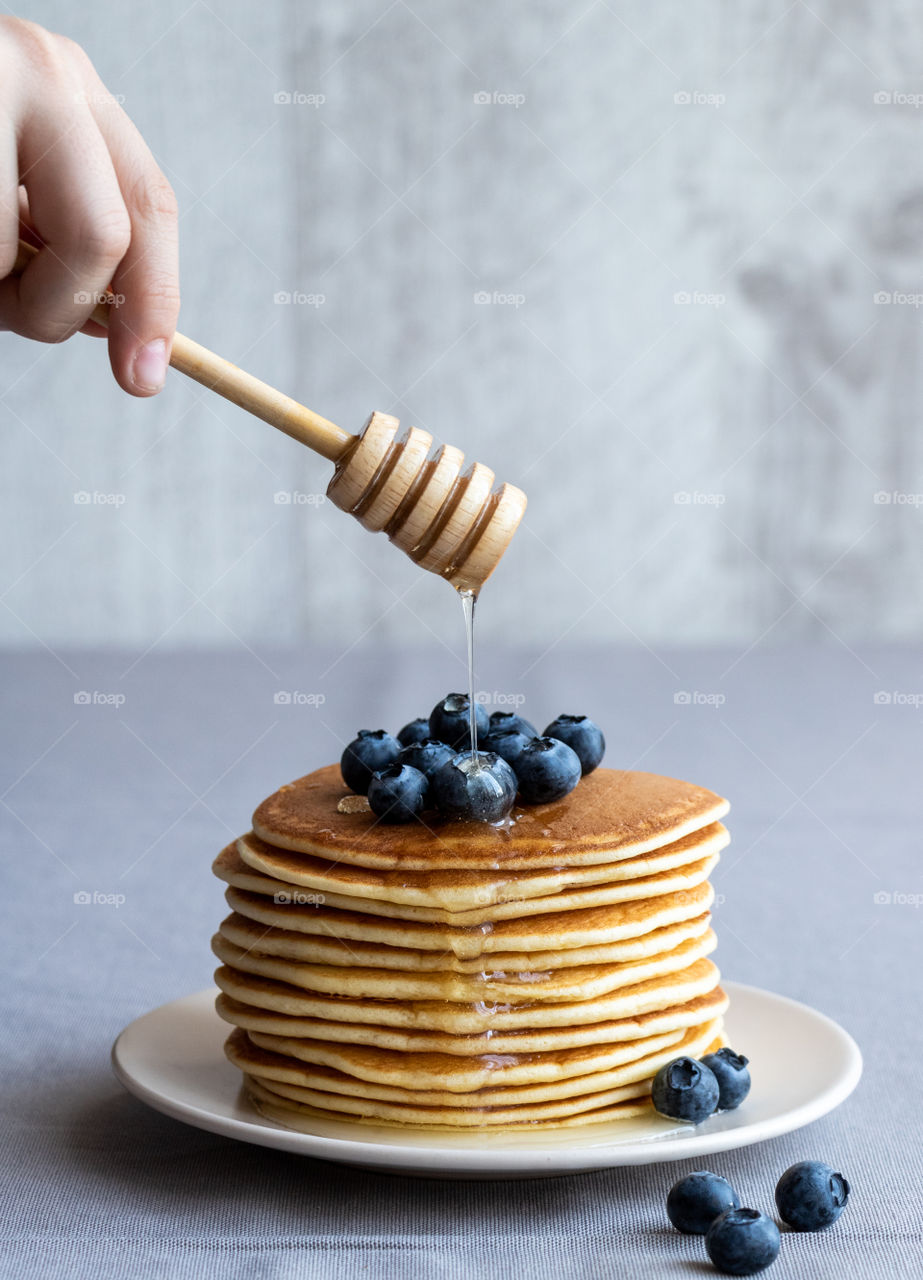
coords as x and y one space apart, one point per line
695 1201
372 750
582 736
397 793
428 756
547 770
414 731
810 1195
685 1090
741 1242
507 742
448 721
730 1070
509 720
480 787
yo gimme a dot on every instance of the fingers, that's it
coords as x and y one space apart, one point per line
146 280
102 213
28 234
9 198
75 203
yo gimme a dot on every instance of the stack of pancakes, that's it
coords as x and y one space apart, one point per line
457 975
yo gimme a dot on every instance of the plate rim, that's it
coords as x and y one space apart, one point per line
448 1161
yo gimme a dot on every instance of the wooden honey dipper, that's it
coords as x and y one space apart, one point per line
454 523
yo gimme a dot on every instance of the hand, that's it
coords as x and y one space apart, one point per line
79 183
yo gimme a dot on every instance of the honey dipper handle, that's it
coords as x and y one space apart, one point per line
257 397
241 388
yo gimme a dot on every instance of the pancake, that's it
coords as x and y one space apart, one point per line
674 880
460 1019
674 1020
612 815
590 926
457 1081
581 982
277 1101
316 1092
460 889
329 950
439 1085
296 1115
466 977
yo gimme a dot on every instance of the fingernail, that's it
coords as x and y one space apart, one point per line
150 367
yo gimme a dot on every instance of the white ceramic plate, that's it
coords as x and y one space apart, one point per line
172 1059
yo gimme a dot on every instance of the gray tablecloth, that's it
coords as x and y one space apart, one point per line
819 751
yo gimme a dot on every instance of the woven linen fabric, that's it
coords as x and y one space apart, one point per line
127 803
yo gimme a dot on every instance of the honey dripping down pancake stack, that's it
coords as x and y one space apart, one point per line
455 975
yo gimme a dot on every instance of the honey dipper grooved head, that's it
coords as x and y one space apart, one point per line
452 522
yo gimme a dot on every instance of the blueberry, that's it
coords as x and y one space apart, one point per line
448 721
508 720
730 1070
507 742
696 1200
481 787
428 756
415 731
810 1195
397 793
685 1090
547 769
582 736
372 750
742 1241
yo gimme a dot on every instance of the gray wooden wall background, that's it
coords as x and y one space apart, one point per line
701 470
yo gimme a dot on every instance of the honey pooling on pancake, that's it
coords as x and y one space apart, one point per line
457 977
